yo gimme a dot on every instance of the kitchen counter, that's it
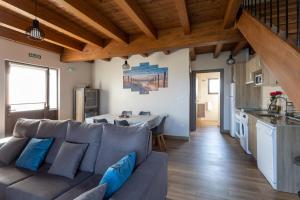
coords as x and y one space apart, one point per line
287 147
273 121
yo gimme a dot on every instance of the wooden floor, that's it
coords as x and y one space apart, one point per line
213 166
200 123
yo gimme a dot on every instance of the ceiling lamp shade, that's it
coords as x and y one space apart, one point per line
34 32
230 60
126 66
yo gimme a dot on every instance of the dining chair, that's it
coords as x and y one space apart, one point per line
127 113
144 113
121 123
100 121
158 134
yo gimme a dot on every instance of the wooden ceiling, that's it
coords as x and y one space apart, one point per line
84 30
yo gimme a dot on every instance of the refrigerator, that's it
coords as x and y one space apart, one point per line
232 110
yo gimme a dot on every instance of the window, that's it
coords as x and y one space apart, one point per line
28 87
213 86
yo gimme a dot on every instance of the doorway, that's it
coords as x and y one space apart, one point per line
207 99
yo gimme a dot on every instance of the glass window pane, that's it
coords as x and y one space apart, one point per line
27 87
53 88
213 86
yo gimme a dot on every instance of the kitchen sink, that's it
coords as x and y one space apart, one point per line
268 115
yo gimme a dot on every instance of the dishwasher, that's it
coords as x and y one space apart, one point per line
267 151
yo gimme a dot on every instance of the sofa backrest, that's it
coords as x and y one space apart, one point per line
55 129
118 141
86 133
107 143
26 127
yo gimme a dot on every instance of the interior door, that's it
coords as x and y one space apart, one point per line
30 93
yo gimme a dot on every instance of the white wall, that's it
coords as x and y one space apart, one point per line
211 101
173 100
207 62
17 52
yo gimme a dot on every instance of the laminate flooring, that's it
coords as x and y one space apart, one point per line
213 166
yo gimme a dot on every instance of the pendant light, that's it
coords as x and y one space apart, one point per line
34 32
230 60
125 66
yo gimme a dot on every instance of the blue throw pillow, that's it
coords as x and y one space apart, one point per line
34 153
117 174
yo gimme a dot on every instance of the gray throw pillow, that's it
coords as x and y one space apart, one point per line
68 159
96 193
11 149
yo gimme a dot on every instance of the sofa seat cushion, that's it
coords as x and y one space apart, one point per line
118 141
81 188
52 129
10 175
43 186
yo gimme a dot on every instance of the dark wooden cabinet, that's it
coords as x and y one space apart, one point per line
86 103
247 95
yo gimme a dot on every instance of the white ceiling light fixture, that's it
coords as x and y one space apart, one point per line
34 32
125 66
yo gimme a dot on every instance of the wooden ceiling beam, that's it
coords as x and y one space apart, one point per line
218 50
145 55
20 38
106 59
19 24
52 20
280 57
193 54
231 12
136 14
125 57
82 11
239 46
166 52
205 34
183 15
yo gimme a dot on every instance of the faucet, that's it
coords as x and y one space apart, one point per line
287 104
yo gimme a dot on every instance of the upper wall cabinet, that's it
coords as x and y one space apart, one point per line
268 77
253 65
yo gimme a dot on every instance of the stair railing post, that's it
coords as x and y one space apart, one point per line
286 19
298 23
278 13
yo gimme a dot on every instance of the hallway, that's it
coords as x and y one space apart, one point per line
214 167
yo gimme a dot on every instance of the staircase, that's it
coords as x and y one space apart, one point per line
281 16
272 28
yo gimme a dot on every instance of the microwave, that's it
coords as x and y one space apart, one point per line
258 79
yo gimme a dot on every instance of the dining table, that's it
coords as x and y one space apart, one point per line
134 120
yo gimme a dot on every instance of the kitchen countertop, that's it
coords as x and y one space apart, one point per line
274 121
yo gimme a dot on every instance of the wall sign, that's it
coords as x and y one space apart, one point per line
33 55
145 78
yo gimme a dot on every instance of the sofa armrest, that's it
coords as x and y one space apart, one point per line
4 140
149 181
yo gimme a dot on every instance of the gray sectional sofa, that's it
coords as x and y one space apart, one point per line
106 145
